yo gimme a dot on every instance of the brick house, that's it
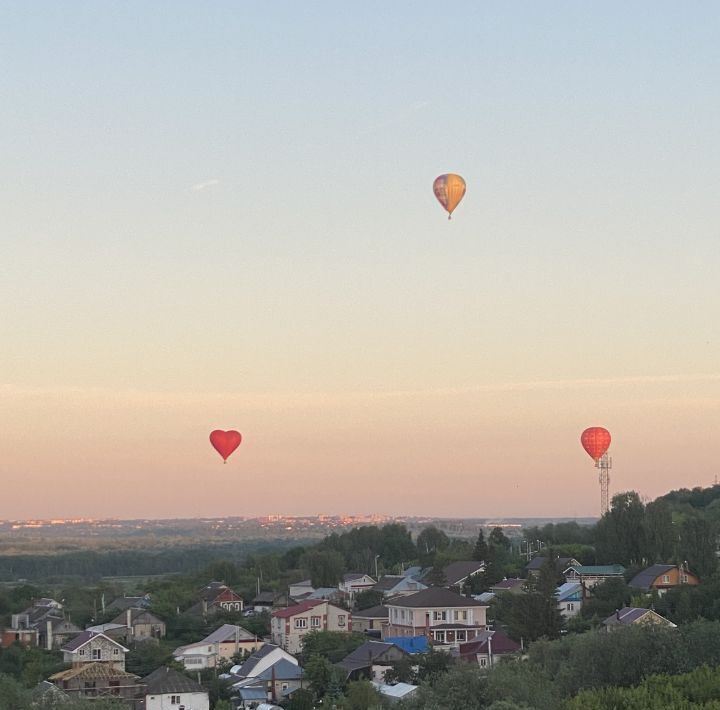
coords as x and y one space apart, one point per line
288 626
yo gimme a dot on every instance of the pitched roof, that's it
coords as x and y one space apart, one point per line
507 584
374 612
282 670
94 671
137 616
456 572
434 597
646 578
245 669
499 643
388 582
352 576
228 633
85 637
629 615
300 608
371 650
567 590
166 680
122 603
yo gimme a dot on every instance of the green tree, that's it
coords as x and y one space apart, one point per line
361 695
324 567
332 645
697 545
368 598
621 533
302 699
499 539
431 539
661 538
480 551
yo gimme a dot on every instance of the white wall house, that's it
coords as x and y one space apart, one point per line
166 689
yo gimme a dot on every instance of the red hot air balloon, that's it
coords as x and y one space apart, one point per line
225 442
595 441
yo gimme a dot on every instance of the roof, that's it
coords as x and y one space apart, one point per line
94 671
507 584
265 598
324 593
245 669
228 633
374 612
122 603
485 597
352 576
254 692
562 563
567 590
137 616
629 615
388 582
371 650
434 597
617 570
410 644
399 690
282 670
166 680
646 578
300 608
415 571
104 628
499 643
85 637
456 572
213 589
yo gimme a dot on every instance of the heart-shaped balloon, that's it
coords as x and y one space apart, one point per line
225 442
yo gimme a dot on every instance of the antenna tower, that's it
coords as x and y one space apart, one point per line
604 464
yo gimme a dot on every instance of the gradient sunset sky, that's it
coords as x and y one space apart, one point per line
220 215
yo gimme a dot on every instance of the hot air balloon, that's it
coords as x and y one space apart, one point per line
595 441
225 442
449 190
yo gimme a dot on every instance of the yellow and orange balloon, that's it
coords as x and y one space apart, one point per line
449 190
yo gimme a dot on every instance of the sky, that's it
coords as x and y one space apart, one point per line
220 215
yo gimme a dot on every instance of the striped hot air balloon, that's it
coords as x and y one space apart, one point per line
449 190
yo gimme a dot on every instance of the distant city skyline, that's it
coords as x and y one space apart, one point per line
221 216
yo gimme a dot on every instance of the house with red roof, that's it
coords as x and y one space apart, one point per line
487 648
289 626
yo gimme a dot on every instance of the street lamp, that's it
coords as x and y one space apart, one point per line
376 567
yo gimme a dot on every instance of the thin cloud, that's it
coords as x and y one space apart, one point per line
202 185
290 400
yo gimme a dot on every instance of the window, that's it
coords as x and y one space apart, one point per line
684 579
461 615
402 613
666 579
174 700
410 616
440 636
341 619
570 606
97 654
301 623
116 652
439 615
315 622
460 635
284 686
483 662
81 652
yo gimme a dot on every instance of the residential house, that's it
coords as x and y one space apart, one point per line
214 597
628 616
288 626
561 563
660 578
370 621
590 575
123 603
141 624
393 585
270 673
355 582
410 644
371 660
90 647
487 648
97 668
299 590
442 615
267 601
42 624
510 586
457 574
117 632
569 599
222 644
166 689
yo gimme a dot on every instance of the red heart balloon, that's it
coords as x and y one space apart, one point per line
225 442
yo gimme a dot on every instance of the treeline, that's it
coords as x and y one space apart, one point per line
91 565
680 527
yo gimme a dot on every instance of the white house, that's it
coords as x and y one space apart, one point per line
166 689
289 626
355 582
221 644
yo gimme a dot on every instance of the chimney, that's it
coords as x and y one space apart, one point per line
48 641
617 614
128 620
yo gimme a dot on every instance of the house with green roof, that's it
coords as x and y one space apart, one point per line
590 575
